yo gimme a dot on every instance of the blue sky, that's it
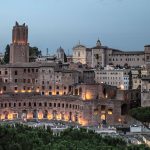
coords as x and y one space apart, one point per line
122 24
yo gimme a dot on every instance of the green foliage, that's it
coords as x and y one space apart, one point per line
6 55
65 58
142 114
34 51
21 137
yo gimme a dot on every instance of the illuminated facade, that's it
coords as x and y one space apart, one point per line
54 91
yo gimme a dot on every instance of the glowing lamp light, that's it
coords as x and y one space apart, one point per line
49 116
83 122
87 96
37 90
10 116
96 112
66 117
16 91
29 91
58 117
103 117
2 117
1 92
119 120
60 93
29 116
122 87
46 93
53 93
110 112
23 91
40 115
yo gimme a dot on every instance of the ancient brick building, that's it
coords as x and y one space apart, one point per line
19 48
54 91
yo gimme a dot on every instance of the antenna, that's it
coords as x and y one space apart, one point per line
79 42
47 51
68 52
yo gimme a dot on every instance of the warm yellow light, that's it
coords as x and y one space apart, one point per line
60 93
103 117
58 117
110 112
83 122
40 115
122 87
23 91
15 115
119 120
29 91
2 117
95 111
53 93
16 91
37 90
10 116
29 115
46 93
88 96
49 116
106 96
66 117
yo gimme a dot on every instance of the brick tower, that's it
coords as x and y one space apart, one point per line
19 48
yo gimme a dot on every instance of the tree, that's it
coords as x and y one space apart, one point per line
6 55
15 146
65 58
141 114
34 51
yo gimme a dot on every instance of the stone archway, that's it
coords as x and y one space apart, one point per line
6 113
24 115
30 115
54 114
124 109
70 116
76 117
40 114
35 114
45 114
62 116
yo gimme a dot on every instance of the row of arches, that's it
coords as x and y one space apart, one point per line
41 114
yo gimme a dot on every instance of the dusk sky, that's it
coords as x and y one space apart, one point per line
122 24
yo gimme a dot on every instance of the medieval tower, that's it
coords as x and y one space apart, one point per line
19 48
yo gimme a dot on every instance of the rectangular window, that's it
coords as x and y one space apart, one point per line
24 80
15 88
16 80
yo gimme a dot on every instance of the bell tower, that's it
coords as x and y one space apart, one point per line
19 48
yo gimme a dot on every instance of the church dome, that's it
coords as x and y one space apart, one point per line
79 46
60 49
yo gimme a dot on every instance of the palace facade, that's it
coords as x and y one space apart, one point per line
101 56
